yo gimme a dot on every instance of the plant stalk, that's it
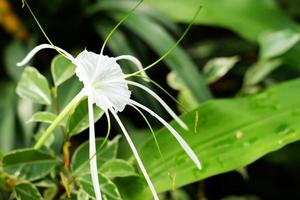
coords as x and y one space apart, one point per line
58 119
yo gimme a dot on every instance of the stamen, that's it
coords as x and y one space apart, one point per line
92 152
151 130
135 61
136 154
120 22
24 2
168 109
171 48
108 129
41 47
181 141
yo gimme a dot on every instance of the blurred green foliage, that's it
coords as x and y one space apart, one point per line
235 49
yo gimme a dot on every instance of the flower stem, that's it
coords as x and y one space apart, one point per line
58 119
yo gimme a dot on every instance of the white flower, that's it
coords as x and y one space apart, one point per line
105 85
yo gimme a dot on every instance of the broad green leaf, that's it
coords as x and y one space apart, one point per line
44 116
126 5
218 67
228 134
7 117
27 191
117 168
61 69
249 18
34 86
108 188
277 43
28 164
79 119
260 70
80 159
160 41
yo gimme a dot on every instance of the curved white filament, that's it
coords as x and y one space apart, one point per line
168 109
135 61
181 141
136 154
41 47
92 152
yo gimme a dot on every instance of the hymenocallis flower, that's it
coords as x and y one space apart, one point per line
106 85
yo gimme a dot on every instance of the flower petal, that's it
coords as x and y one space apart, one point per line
105 80
92 152
41 47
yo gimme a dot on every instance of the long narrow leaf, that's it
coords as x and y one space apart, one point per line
228 134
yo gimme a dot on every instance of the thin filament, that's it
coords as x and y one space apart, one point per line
41 28
92 152
120 22
108 130
162 89
151 130
180 140
171 48
136 154
168 109
135 61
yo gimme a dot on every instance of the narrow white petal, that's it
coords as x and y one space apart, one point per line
181 141
92 152
41 47
168 109
135 61
136 154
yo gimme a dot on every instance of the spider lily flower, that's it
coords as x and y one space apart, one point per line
106 86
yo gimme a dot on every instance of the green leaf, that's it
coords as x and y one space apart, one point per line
228 134
27 191
218 67
277 43
80 159
108 188
260 70
28 164
44 116
62 69
249 18
34 86
117 168
79 119
7 118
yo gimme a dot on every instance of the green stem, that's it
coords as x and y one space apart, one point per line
58 120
